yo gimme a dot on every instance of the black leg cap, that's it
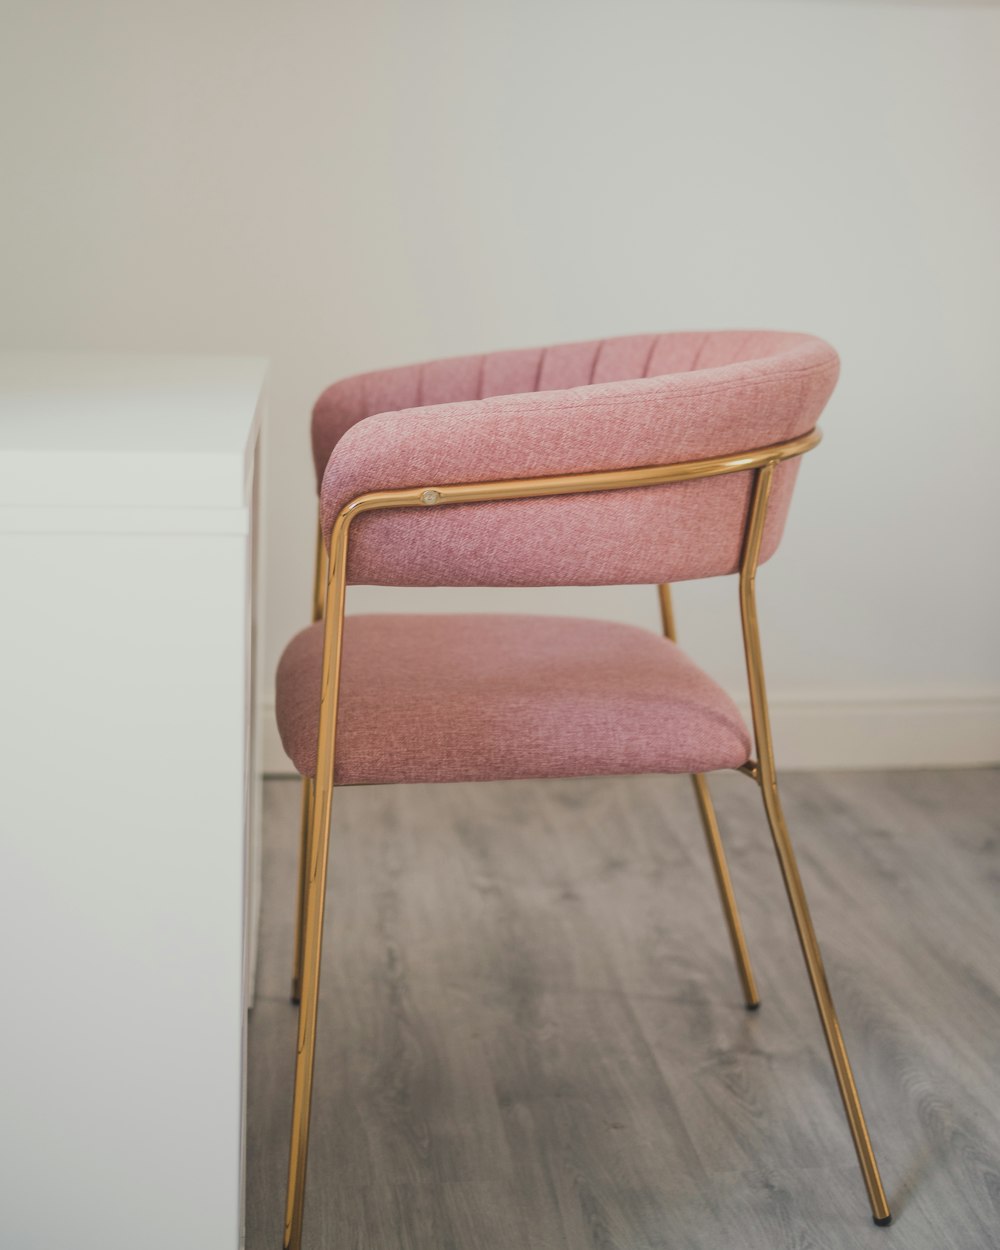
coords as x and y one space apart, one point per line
884 1222
753 1006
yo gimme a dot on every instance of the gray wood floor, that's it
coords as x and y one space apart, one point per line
531 1032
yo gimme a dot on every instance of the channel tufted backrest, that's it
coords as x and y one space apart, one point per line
579 407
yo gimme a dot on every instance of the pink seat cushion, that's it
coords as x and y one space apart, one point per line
481 698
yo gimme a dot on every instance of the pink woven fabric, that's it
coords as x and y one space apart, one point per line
617 403
479 698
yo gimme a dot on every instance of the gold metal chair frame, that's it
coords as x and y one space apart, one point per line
328 604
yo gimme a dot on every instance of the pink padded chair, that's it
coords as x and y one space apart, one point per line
647 459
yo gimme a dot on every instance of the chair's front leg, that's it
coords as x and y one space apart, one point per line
315 905
319 585
824 1002
786 856
316 864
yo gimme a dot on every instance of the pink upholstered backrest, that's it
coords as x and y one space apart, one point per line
616 403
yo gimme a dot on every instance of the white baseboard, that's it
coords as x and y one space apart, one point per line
878 732
856 732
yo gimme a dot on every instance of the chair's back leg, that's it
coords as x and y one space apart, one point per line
716 849
722 879
786 856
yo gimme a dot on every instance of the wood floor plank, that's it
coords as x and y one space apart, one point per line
531 1033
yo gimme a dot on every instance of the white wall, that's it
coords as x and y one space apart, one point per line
344 186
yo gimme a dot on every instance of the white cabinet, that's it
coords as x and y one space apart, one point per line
128 797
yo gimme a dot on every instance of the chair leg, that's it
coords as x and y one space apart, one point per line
316 866
300 908
824 1003
319 585
724 882
715 847
786 856
312 946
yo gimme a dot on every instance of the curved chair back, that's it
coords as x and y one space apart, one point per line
614 404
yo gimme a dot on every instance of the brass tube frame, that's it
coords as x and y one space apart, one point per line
300 902
786 856
716 850
315 861
319 586
315 866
